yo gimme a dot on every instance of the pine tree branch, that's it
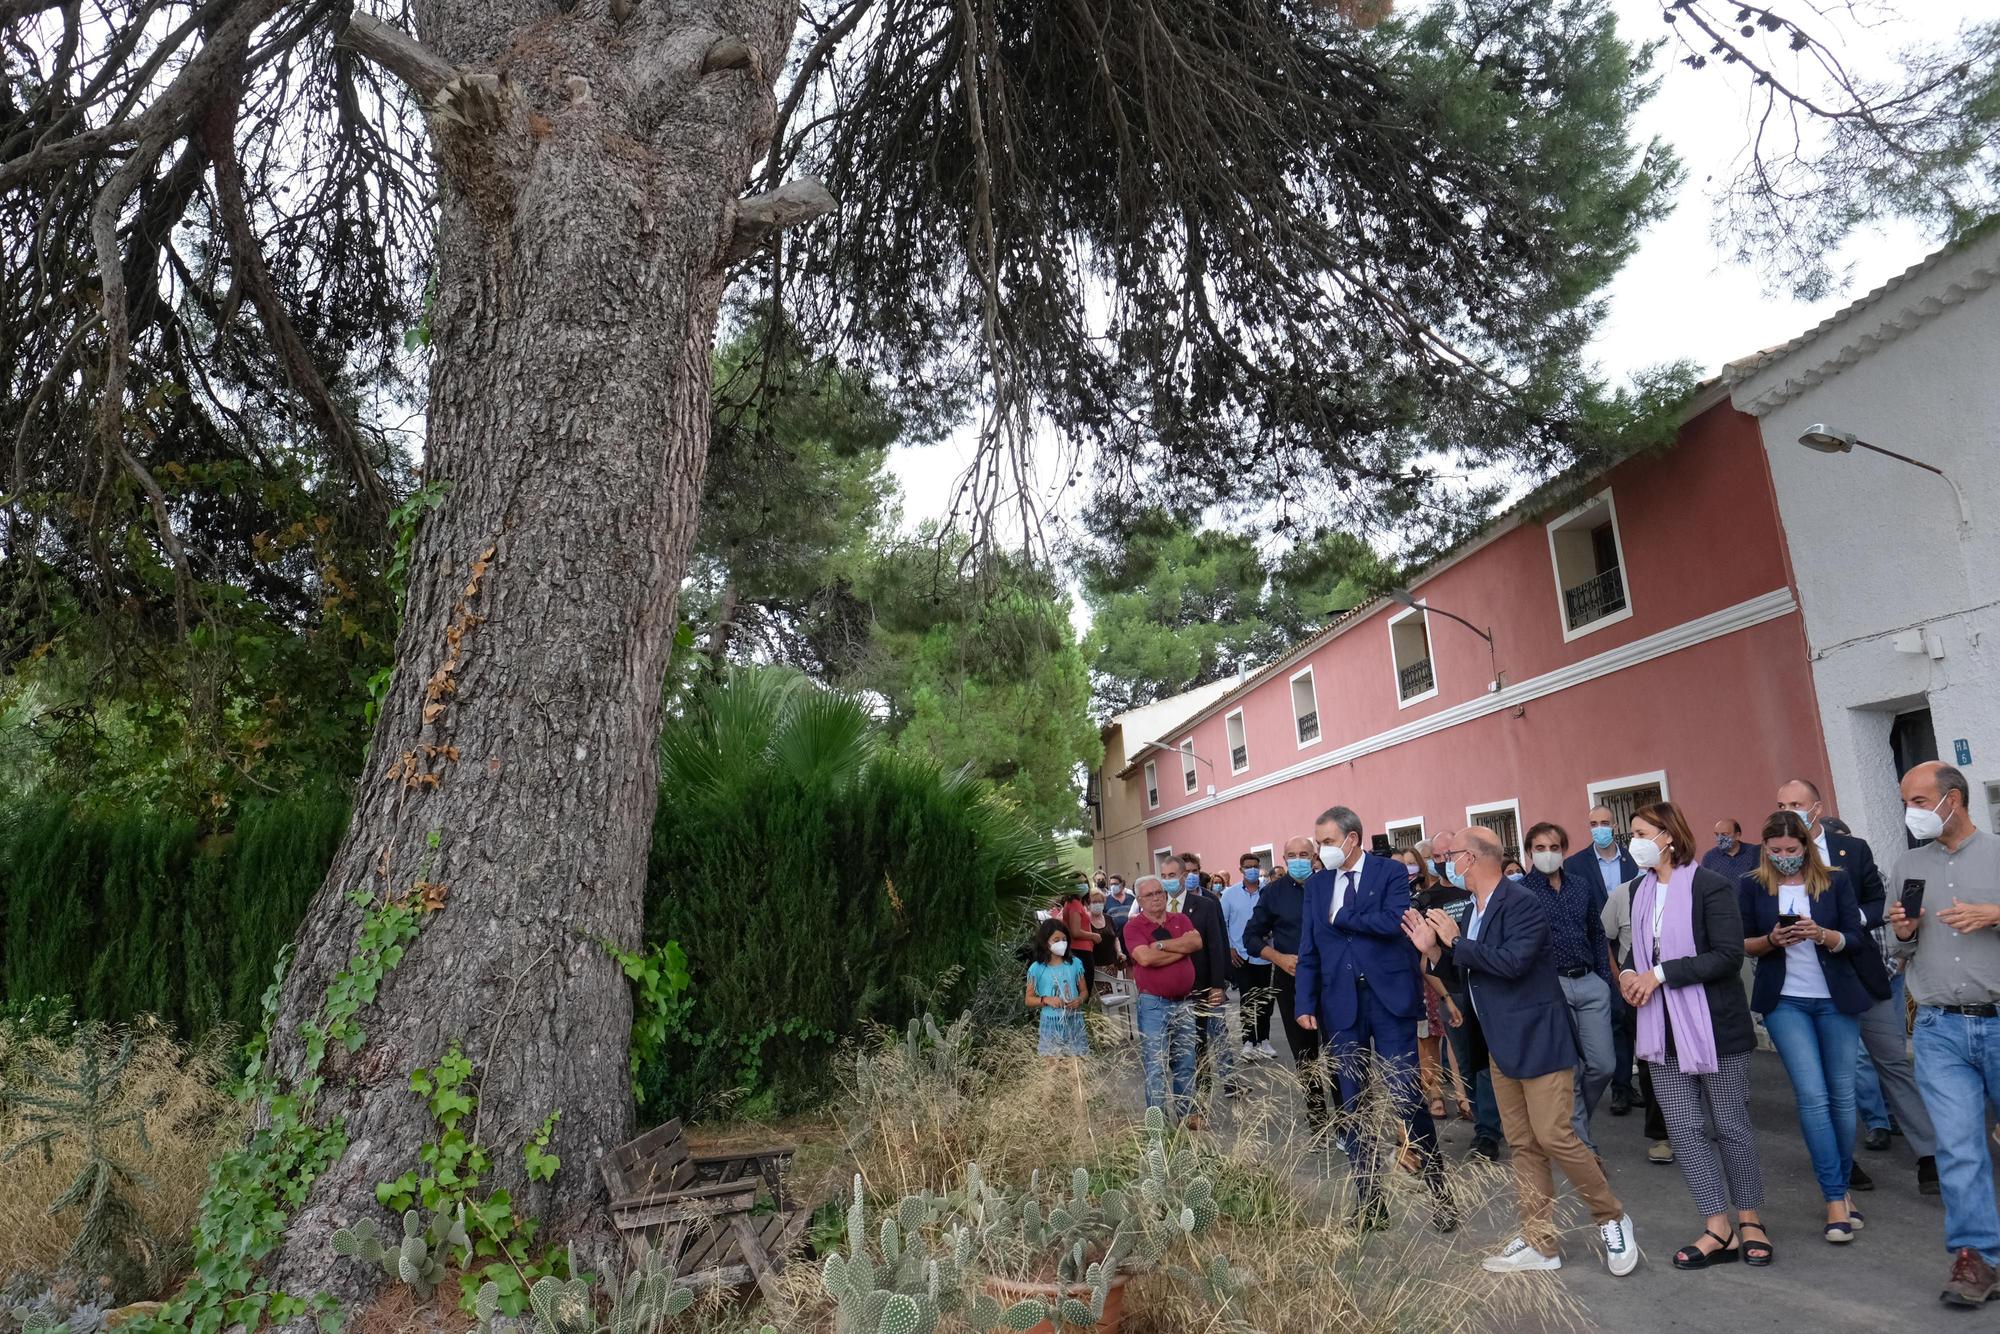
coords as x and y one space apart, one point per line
401 54
761 217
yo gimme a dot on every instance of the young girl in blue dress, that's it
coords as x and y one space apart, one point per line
1055 987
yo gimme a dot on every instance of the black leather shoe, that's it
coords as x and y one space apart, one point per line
1621 1102
1927 1181
1483 1147
1876 1140
1859 1180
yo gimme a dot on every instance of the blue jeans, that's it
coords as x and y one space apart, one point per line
1958 1073
1819 1046
1485 1107
1166 1029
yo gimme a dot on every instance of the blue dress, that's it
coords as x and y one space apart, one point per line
1062 1030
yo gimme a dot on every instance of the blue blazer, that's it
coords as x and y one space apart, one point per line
1514 988
1871 893
1837 909
1583 865
1366 940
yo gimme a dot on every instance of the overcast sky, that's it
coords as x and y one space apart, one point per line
1681 296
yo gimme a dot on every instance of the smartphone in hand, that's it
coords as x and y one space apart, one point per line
1912 898
1788 919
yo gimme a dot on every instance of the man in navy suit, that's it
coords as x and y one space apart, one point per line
1883 1038
1358 985
1531 1045
1604 865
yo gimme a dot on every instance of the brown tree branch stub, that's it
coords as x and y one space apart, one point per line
761 217
423 70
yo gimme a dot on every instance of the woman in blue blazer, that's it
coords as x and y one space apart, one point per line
1803 925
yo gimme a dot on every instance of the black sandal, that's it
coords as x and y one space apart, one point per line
1757 1252
1692 1256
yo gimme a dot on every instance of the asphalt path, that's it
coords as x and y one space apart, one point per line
1887 1278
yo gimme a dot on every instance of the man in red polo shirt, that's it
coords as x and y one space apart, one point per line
1160 944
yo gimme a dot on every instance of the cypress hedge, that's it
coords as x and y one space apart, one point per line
816 882
128 912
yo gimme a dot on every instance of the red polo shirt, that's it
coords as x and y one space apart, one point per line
1171 981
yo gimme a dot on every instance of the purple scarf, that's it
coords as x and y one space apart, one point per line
1694 1034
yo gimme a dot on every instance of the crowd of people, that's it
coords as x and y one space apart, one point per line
1453 972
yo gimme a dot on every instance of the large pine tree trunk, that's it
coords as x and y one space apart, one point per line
581 260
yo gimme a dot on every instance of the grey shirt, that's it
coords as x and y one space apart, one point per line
1943 966
1617 917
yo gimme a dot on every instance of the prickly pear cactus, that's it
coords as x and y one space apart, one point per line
416 1259
903 1288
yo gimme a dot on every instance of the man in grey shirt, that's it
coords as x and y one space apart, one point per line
1950 947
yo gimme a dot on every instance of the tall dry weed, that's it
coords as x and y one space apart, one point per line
193 1123
913 1123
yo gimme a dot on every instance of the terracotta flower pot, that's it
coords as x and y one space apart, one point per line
1007 1291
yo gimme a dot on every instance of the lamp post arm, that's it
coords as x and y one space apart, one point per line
1964 508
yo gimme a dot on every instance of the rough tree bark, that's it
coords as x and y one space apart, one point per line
590 176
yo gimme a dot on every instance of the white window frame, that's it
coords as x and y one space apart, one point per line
1555 567
1152 781
1658 777
1520 830
1390 827
1190 776
1266 854
1244 727
1159 856
1396 668
1291 690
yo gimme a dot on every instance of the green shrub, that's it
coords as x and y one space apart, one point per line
131 914
817 885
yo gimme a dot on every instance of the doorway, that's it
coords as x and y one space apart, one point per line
1913 741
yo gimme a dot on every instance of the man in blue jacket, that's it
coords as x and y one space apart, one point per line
1359 987
1603 864
1503 953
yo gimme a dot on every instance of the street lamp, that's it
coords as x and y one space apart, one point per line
1820 437
1403 597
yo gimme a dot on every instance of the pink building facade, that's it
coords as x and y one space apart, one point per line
1646 642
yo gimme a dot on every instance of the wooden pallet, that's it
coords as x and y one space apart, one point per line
721 1219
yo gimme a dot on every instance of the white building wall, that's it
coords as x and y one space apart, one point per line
1901 601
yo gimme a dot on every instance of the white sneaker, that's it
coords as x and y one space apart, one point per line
1621 1250
1266 1049
1518 1257
1249 1051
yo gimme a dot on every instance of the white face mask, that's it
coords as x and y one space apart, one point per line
1548 863
1059 948
1923 823
1332 856
1646 854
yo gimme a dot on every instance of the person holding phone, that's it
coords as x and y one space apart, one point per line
1694 1031
1943 918
1803 926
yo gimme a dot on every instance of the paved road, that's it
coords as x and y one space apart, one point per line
1888 1278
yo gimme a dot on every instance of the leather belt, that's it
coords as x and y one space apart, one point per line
1971 1011
1580 970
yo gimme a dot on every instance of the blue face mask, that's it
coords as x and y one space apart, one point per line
1171 883
1298 868
1453 874
1516 875
1603 836
1252 874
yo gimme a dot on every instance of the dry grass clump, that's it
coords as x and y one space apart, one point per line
193 1122
915 1116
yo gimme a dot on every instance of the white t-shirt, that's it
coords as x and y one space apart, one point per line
1804 977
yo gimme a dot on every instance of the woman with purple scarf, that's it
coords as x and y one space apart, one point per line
1695 1032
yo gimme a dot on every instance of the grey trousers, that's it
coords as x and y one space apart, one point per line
1888 1044
1589 1000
